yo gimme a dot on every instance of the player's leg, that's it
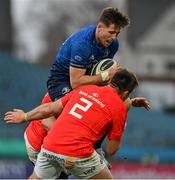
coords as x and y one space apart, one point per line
90 167
103 174
34 176
100 151
31 152
46 167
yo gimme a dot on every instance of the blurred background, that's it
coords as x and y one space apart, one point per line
31 33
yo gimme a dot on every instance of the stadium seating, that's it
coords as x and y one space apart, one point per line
23 85
147 134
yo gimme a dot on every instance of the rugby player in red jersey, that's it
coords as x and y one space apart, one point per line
89 113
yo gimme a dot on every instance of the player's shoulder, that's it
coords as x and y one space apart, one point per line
115 96
88 30
121 105
86 33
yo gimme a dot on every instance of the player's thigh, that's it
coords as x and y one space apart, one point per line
58 90
85 168
45 168
31 152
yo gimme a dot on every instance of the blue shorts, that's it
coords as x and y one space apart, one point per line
57 89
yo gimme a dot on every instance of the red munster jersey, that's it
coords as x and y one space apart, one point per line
90 112
35 131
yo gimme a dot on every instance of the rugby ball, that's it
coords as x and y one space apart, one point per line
102 66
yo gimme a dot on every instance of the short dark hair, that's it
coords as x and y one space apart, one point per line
124 80
111 15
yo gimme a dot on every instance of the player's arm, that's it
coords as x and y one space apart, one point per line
140 102
137 102
78 77
115 133
80 60
112 146
40 112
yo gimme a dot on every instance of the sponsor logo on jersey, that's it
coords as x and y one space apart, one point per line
92 57
78 58
65 90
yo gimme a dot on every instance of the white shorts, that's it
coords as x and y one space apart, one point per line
49 165
31 152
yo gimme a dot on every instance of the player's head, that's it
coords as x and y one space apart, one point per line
109 25
125 82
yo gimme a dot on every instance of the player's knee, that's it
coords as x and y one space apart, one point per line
34 176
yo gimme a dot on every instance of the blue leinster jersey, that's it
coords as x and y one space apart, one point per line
80 50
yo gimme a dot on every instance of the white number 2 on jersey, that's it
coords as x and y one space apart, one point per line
79 106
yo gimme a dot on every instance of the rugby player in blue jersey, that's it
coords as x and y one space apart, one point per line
83 49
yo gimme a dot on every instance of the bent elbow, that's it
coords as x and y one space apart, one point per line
48 111
74 85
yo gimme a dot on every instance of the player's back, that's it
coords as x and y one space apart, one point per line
86 117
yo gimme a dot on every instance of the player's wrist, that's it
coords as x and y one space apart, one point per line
25 117
132 102
105 76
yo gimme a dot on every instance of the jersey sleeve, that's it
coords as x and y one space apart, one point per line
80 54
114 48
66 98
118 126
46 99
